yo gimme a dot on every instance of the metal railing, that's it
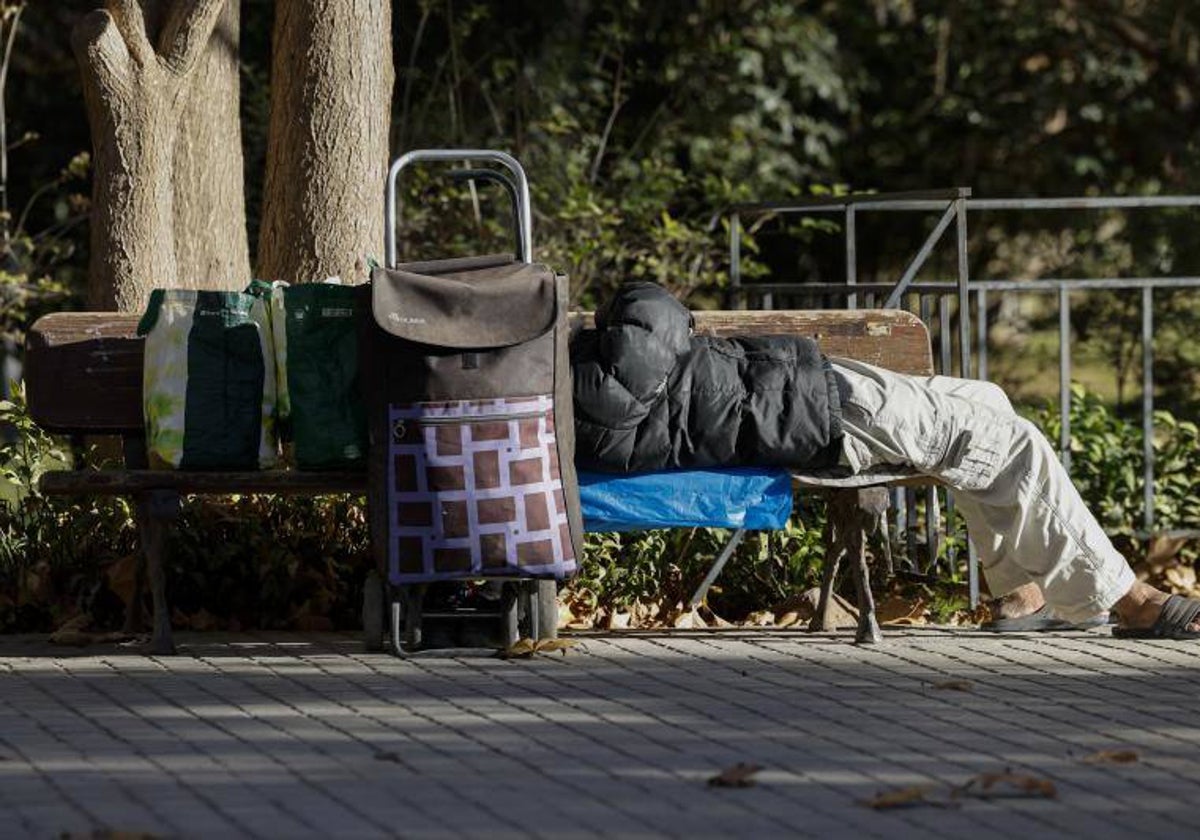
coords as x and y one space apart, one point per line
954 297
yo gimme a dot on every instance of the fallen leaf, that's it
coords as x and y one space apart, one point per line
898 610
788 619
202 619
804 606
688 620
552 645
711 618
1007 785
1183 578
1111 757
520 649
954 685
739 775
72 638
760 618
72 632
122 577
1165 548
116 637
908 797
525 648
619 621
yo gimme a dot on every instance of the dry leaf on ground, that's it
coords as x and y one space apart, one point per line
520 649
907 797
1111 757
1007 785
1182 578
526 648
739 775
689 620
711 618
799 609
1164 548
122 577
72 633
898 610
72 638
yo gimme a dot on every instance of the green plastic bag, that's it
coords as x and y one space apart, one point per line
208 381
316 361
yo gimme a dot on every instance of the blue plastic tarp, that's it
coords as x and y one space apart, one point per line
730 497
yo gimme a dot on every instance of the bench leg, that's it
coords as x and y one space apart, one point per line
822 620
155 511
133 612
853 515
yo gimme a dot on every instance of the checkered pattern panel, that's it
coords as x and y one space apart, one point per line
474 490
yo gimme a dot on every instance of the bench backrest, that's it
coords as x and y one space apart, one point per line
83 370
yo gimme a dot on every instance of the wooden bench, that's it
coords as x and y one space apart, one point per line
83 376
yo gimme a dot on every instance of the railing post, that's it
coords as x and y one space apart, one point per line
851 253
738 300
1064 377
981 366
964 310
1148 408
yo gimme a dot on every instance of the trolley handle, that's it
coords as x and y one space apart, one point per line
523 214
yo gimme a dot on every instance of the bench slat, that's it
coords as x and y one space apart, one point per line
83 373
84 369
122 482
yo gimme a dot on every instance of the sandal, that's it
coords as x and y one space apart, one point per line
1042 620
1176 614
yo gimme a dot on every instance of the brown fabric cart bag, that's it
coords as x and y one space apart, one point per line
466 377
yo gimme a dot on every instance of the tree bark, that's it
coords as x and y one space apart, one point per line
327 150
210 204
137 57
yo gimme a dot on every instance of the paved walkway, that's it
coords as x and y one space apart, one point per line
291 736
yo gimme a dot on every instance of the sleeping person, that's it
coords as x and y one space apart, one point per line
650 395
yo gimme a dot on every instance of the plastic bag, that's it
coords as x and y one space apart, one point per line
731 497
208 386
316 360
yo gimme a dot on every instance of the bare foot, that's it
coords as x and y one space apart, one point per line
1022 601
1140 606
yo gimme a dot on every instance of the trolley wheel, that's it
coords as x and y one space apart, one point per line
547 609
373 609
412 597
510 628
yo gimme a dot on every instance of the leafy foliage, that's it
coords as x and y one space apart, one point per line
1106 466
653 573
640 123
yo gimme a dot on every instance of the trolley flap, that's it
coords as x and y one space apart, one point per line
472 309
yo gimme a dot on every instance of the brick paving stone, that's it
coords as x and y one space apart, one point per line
278 735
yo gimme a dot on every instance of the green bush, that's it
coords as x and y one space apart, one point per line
274 562
1106 466
622 573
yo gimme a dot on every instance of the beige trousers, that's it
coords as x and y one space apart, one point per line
1025 517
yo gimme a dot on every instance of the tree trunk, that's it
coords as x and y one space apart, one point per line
327 151
210 205
137 58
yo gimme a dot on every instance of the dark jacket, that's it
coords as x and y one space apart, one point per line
650 395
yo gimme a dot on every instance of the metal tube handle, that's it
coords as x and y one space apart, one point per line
524 214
